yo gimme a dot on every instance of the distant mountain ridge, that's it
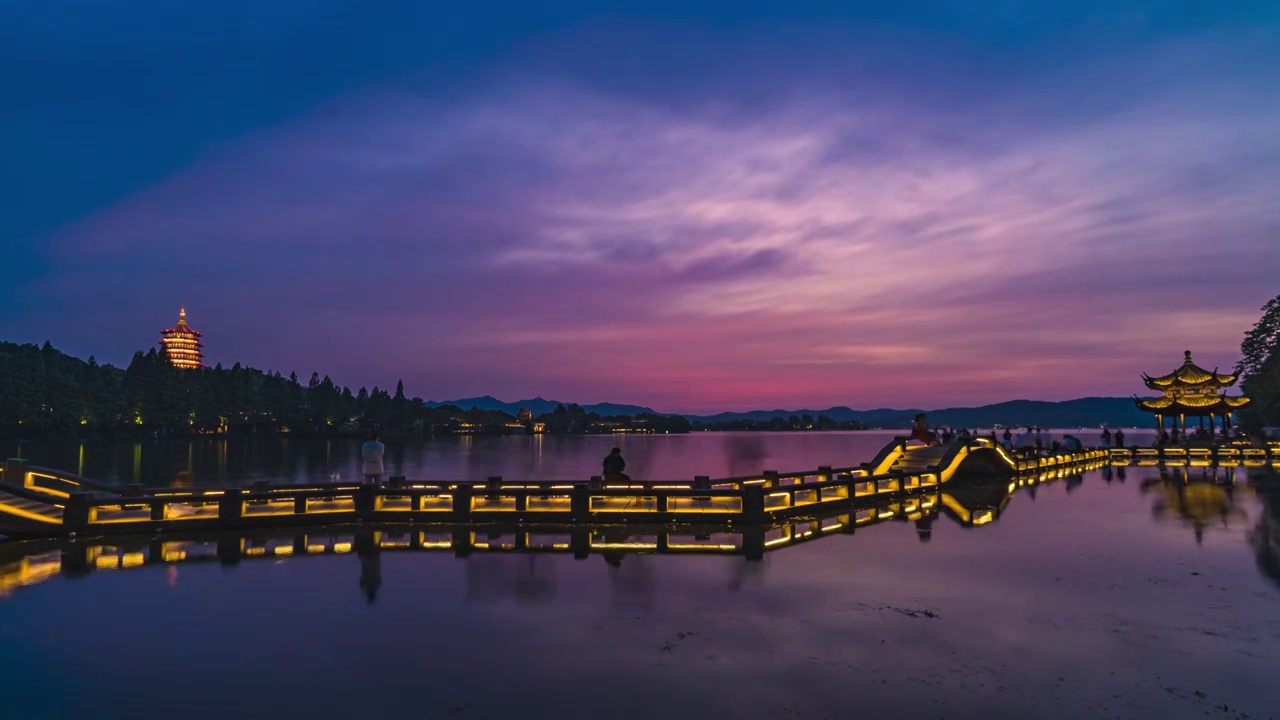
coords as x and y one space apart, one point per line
1081 412
540 406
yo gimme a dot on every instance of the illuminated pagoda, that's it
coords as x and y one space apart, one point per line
1192 391
182 343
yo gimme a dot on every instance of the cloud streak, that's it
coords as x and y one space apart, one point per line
930 237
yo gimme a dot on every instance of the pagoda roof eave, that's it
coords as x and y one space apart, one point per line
1190 375
1166 382
1192 406
181 329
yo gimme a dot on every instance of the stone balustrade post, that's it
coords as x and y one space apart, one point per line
580 503
753 504
462 501
15 471
76 513
231 508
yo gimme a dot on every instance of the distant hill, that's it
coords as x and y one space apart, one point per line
1083 412
540 406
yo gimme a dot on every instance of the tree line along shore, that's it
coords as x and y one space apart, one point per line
47 393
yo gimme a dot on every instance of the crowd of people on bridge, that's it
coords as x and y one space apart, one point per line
1031 438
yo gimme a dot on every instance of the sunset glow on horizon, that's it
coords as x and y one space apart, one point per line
719 211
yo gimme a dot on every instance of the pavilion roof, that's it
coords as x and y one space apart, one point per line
1189 375
1193 405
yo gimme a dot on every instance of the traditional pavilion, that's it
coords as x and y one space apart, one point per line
182 343
1192 391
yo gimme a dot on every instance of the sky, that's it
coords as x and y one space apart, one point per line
693 205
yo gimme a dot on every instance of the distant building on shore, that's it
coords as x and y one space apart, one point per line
182 343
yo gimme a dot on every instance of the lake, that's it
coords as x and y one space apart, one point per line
217 461
1123 593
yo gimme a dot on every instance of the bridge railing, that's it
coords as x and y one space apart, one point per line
50 481
229 507
752 499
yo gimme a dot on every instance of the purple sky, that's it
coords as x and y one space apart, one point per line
690 215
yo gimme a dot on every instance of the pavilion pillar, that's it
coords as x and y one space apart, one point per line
1212 419
1159 422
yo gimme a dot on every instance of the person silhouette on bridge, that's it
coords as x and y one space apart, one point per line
1106 437
920 431
371 454
614 465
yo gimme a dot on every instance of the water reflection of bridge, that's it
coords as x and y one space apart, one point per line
622 547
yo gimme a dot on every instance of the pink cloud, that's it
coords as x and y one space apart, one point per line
542 236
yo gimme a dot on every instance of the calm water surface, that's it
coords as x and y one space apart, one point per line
1102 595
300 460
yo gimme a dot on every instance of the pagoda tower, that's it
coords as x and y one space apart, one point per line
1192 391
182 343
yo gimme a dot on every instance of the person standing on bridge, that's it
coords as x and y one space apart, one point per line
371 454
1119 438
1106 437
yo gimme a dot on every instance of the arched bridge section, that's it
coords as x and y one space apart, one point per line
976 456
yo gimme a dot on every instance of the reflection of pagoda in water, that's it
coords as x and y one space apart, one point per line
1191 391
182 343
1200 500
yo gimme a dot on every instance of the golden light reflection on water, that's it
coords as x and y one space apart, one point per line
1199 498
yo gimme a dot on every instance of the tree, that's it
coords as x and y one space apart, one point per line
22 384
1260 343
1260 368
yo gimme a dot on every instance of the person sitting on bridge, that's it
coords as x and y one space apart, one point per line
614 465
920 431
1072 443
